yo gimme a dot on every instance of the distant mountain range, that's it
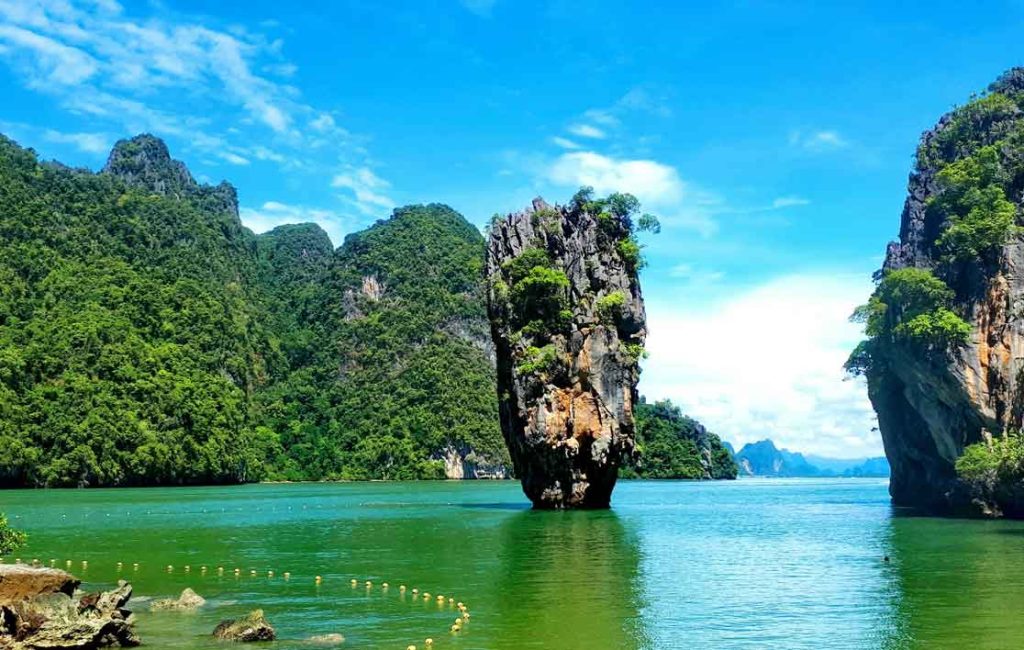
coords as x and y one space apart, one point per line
763 458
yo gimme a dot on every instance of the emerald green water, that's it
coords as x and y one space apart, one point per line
745 564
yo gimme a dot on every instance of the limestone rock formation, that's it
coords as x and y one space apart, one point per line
568 323
187 601
144 162
251 628
932 400
40 609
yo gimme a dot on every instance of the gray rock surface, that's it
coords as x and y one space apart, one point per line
567 428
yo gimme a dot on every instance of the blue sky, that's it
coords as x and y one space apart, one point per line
774 140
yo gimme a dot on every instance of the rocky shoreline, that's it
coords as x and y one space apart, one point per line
44 608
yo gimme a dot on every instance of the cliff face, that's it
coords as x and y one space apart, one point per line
932 403
568 323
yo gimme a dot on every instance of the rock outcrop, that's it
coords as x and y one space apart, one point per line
933 403
251 628
144 162
187 601
39 608
568 323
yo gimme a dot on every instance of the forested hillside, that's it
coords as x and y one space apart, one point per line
147 337
395 378
672 445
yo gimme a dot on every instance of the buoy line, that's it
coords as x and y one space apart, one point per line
456 628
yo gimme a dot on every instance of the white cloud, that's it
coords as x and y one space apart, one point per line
48 60
658 186
234 158
367 188
767 363
818 141
323 122
789 202
601 116
650 181
564 143
274 213
98 143
587 131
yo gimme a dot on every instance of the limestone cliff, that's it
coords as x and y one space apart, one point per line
568 323
959 223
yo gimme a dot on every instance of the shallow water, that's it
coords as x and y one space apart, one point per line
744 564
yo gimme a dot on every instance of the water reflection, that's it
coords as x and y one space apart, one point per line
961 583
570 580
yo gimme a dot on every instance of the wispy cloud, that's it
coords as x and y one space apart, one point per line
587 131
96 143
824 140
367 190
564 143
789 202
693 275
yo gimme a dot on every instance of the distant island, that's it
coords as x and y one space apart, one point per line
764 459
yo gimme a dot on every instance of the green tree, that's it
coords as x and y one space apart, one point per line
10 539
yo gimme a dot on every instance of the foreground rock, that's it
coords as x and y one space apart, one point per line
40 609
189 600
568 323
934 399
254 627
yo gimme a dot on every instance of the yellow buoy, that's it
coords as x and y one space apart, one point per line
203 568
415 591
412 647
53 563
319 579
287 575
135 567
270 574
426 595
67 564
384 585
354 582
451 600
456 628
401 587
369 584
169 568
188 568
428 642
